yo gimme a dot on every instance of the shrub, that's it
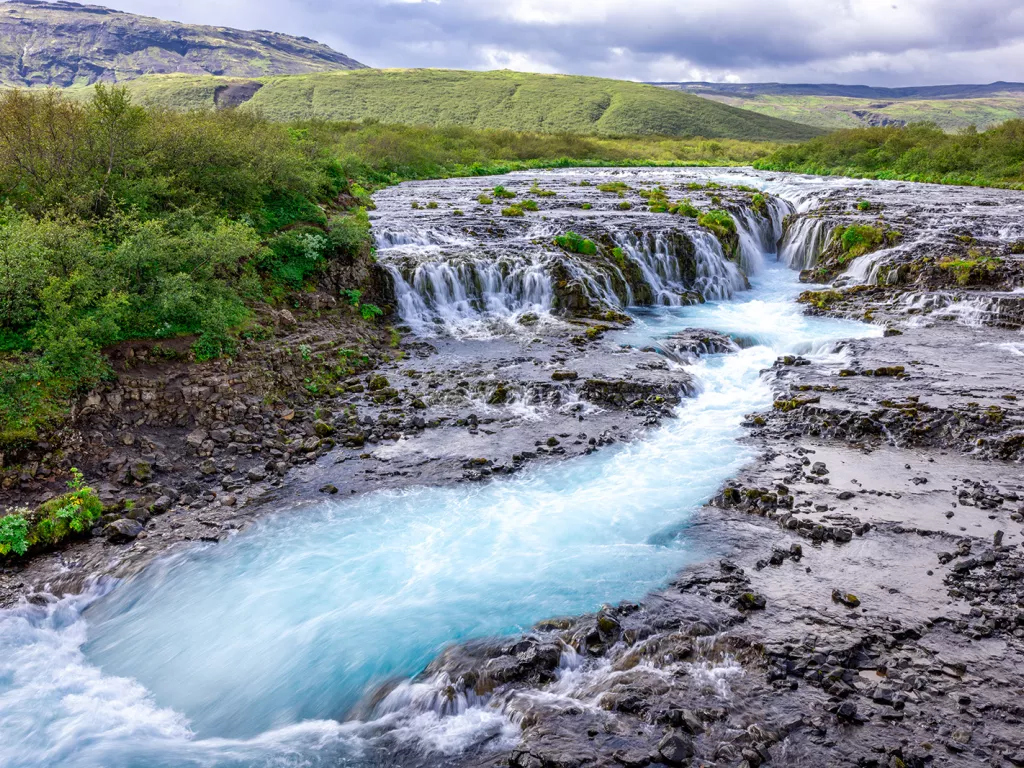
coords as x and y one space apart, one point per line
370 311
75 512
512 210
586 206
625 205
718 221
14 529
613 186
528 205
857 239
500 193
863 205
575 243
686 208
484 200
657 200
432 204
759 204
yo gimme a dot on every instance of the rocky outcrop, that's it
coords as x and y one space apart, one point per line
64 43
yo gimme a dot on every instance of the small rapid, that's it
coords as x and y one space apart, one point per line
265 650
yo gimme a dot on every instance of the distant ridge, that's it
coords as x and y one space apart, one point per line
831 106
852 91
64 43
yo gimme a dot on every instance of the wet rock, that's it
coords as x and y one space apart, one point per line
329 488
847 599
122 531
675 748
322 428
751 601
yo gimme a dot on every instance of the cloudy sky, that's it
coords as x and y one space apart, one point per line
896 42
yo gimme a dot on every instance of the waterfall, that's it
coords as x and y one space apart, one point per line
804 241
450 293
479 273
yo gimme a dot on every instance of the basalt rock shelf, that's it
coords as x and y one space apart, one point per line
645 501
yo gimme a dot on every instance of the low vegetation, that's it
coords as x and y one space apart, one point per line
921 152
718 221
60 518
576 243
976 268
517 101
120 223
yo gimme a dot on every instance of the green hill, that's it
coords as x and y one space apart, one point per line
951 107
501 99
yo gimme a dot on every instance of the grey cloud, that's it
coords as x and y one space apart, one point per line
915 42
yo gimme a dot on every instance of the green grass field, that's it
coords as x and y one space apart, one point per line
832 112
500 100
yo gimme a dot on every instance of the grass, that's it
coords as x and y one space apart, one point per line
483 100
914 153
838 112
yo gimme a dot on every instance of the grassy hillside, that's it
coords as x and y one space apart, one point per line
832 107
499 100
64 43
915 153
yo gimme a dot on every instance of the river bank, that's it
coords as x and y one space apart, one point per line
746 655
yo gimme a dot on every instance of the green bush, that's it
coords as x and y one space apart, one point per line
575 243
370 311
586 207
613 186
14 531
718 221
759 204
500 193
916 152
657 200
625 205
484 200
528 205
512 210
73 513
686 208
857 239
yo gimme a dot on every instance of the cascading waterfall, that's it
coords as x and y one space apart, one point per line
447 280
804 242
246 654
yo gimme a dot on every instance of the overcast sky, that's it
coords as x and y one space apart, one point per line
906 42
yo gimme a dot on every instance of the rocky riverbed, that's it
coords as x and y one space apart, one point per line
855 594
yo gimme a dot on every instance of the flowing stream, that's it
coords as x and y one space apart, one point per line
254 652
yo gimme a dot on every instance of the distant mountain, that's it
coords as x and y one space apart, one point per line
502 99
847 106
63 43
850 91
